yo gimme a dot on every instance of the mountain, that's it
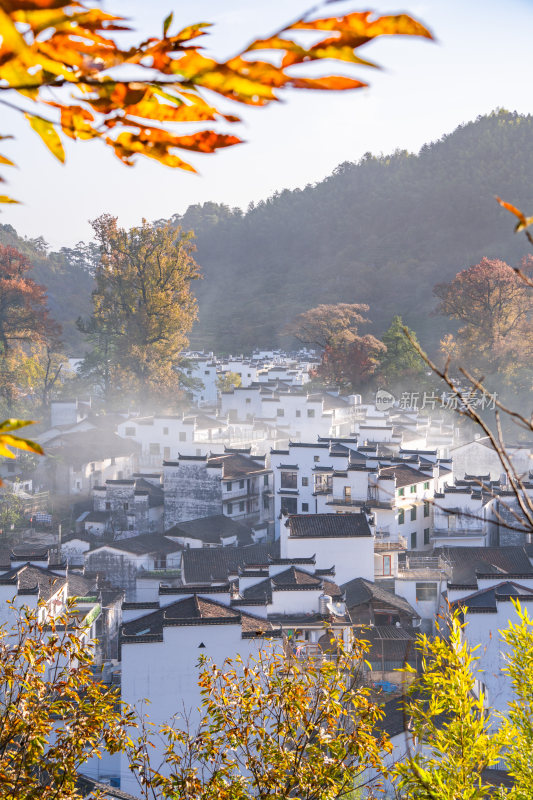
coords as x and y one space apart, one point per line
381 231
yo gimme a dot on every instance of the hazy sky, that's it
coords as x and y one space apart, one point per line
482 60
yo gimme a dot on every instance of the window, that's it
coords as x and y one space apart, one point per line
305 481
248 399
426 535
401 492
289 480
241 506
348 493
413 512
265 480
401 516
230 508
78 484
452 522
426 508
154 448
113 462
387 565
280 412
93 468
316 458
206 372
266 502
426 591
310 412
426 484
130 526
165 431
413 540
412 489
228 486
305 507
183 436
129 432
125 506
108 506
241 484
160 562
289 505
166 453
298 412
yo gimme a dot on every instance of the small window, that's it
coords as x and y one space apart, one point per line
387 565
108 506
412 489
316 458
280 412
289 480
298 412
426 484
401 516
113 462
230 508
183 436
166 453
241 506
348 493
413 512
154 448
78 484
125 506
248 400
206 372
426 508
266 503
165 431
305 481
426 535
130 526
401 492
241 484
310 412
426 591
413 540
305 507
229 486
129 432
265 480
93 467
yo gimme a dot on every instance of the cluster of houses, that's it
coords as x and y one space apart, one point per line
273 513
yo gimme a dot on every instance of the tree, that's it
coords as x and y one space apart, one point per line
349 359
54 716
495 312
11 511
143 308
400 360
452 741
24 316
274 727
50 44
227 381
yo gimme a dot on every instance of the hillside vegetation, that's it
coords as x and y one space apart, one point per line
382 231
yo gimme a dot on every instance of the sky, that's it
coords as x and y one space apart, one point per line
481 60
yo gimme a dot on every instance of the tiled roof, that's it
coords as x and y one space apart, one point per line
235 465
31 578
212 529
143 544
359 592
328 525
195 610
213 565
404 474
487 599
467 561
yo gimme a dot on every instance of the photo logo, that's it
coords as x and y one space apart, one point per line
384 400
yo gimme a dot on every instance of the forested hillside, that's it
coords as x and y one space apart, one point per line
383 231
67 278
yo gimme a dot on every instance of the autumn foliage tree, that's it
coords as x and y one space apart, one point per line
26 328
50 45
494 308
143 309
349 359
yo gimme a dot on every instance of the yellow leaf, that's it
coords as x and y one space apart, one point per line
5 199
48 134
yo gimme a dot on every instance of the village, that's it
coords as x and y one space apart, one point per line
266 512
